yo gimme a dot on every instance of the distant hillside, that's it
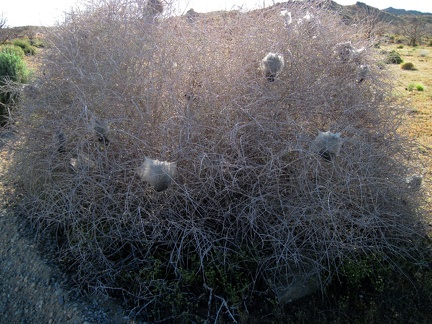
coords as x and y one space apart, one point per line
351 11
390 15
24 31
403 12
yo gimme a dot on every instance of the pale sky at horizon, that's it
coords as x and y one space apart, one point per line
48 12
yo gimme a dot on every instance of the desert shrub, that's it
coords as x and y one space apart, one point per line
25 45
37 42
13 49
401 40
407 66
12 67
393 57
423 52
13 71
253 205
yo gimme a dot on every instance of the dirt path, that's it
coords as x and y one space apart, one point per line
32 289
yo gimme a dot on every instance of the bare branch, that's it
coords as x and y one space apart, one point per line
415 29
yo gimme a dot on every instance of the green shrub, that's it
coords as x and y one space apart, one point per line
25 45
13 67
400 46
13 49
37 42
12 71
417 86
393 57
407 66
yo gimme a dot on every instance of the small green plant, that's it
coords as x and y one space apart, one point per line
393 57
417 86
381 65
407 66
25 45
400 46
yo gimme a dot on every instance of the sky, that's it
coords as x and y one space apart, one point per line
49 12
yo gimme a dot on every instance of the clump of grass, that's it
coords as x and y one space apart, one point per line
407 66
245 212
416 86
393 57
37 42
25 45
419 87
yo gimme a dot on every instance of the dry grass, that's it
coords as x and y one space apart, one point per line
252 204
419 104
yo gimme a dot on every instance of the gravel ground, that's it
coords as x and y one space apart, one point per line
32 288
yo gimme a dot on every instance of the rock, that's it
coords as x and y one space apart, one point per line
293 283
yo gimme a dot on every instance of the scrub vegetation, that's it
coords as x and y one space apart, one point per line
254 211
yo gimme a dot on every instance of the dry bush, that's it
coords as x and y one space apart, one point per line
252 204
